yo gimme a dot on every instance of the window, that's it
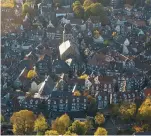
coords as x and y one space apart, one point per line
78 99
110 86
105 85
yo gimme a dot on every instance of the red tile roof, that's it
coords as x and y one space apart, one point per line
147 91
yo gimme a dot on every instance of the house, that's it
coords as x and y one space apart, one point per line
128 9
68 50
59 67
102 100
93 22
43 65
68 104
101 84
46 87
116 4
63 11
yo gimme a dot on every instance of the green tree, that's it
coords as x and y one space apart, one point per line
87 3
100 131
115 109
78 9
144 112
127 110
96 9
76 3
23 122
40 124
99 119
51 132
92 106
25 8
61 124
68 133
78 127
2 120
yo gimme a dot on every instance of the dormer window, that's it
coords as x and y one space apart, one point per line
97 88
78 99
61 101
73 100
105 86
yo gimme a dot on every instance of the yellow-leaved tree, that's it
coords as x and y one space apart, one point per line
77 93
40 125
144 112
61 124
51 133
23 122
127 110
99 119
31 74
100 131
78 127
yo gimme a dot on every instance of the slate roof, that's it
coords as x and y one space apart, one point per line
46 86
60 66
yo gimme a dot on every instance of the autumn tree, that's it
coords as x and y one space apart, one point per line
77 93
40 124
23 122
68 133
51 132
99 119
127 110
78 127
78 9
144 112
137 129
87 3
86 93
100 131
61 124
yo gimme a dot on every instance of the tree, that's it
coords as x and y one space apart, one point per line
99 119
40 124
2 119
96 34
61 124
65 118
100 131
127 110
51 132
77 93
23 122
31 74
78 9
115 109
76 3
86 93
87 3
92 107
78 127
137 129
144 112
96 9
25 8
68 133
